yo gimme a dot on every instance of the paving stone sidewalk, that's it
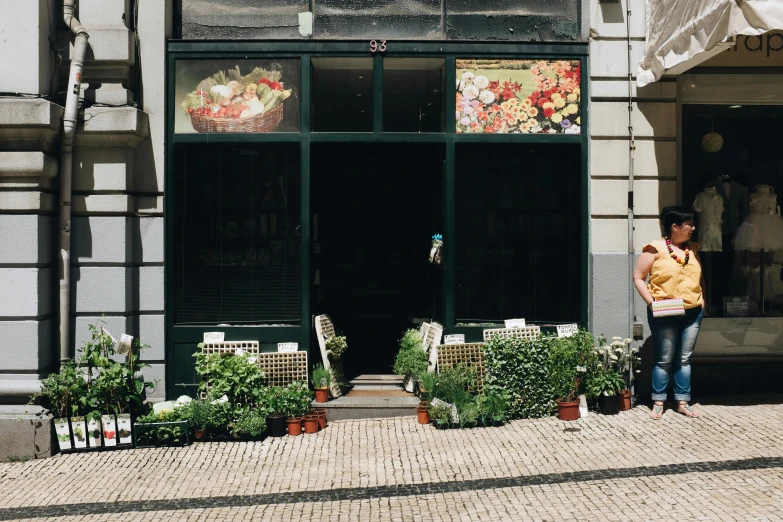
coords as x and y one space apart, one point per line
727 465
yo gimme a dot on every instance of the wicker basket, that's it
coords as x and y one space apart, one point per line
265 122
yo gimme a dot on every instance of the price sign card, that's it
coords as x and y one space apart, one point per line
567 330
214 337
454 339
287 347
515 323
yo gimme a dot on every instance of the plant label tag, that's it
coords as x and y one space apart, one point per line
567 330
451 407
63 431
287 347
124 346
109 430
214 337
582 406
515 323
124 428
454 339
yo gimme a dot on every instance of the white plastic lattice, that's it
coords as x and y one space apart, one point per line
469 354
324 329
230 347
528 332
283 368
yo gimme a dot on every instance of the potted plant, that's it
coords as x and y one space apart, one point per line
493 404
250 424
321 413
311 423
628 366
441 414
422 412
605 379
411 360
57 395
274 400
199 413
298 399
167 427
468 415
322 379
569 359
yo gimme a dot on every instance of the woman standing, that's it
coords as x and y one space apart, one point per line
674 269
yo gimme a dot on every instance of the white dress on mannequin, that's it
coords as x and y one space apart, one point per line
763 227
709 205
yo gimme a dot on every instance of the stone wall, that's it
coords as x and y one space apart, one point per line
654 122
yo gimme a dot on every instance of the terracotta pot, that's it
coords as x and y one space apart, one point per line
322 395
199 433
567 411
423 415
311 424
294 426
321 413
625 400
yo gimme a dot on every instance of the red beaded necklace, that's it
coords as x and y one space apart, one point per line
683 262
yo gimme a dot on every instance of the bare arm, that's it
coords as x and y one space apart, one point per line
642 270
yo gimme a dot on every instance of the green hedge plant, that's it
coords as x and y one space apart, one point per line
520 367
570 360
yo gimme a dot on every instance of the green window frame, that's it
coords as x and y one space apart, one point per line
304 50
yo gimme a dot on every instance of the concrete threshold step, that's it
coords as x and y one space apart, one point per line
374 381
369 407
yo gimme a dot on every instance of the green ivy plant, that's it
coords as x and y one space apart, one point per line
521 367
570 359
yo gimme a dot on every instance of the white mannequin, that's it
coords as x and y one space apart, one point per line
709 205
763 227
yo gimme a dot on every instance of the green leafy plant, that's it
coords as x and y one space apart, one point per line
410 361
199 414
493 404
321 377
337 345
250 423
60 391
570 359
410 340
297 399
609 362
427 382
456 385
439 413
521 367
468 415
149 433
238 377
274 398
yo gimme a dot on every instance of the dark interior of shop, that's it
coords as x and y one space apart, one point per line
375 208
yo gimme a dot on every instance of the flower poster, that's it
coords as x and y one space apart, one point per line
518 96
247 96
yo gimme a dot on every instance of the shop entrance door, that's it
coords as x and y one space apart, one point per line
374 210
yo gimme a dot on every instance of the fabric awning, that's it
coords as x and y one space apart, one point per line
678 30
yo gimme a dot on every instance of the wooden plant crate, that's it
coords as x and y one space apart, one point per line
283 368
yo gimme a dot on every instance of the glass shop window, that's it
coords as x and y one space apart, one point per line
236 234
413 95
731 178
518 232
342 97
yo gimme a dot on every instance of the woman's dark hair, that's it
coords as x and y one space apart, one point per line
675 215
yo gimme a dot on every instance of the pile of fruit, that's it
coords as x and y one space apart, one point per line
237 96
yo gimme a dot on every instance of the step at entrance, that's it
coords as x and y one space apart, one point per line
372 396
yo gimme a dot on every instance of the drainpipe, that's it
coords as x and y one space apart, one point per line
631 151
66 171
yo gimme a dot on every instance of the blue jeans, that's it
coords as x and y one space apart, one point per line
674 339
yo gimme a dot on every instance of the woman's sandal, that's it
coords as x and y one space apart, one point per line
685 409
657 411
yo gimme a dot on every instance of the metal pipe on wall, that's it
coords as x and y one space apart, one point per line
66 170
631 151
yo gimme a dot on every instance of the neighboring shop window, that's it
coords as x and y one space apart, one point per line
732 177
413 95
246 96
236 233
518 232
518 96
342 97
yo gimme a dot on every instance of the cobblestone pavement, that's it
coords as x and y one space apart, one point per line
727 465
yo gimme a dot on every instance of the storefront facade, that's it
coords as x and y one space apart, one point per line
332 210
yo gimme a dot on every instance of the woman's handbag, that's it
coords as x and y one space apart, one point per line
667 307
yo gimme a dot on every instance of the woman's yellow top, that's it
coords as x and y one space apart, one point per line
670 280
